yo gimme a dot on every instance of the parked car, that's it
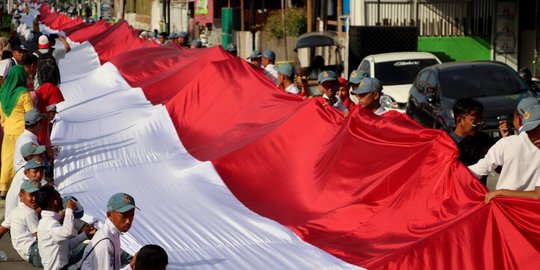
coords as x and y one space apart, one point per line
396 71
497 86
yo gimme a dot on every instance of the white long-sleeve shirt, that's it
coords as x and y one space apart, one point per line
25 137
519 159
56 240
105 254
22 223
271 73
292 89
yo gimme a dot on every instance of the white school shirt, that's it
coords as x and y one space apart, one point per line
25 137
519 159
56 240
271 73
292 89
381 110
22 223
106 254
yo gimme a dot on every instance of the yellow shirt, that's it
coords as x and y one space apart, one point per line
14 124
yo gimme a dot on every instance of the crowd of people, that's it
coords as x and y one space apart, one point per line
515 156
47 230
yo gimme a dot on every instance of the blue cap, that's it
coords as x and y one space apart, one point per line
368 85
285 69
269 54
32 149
327 75
231 47
121 202
526 103
357 76
531 118
33 116
255 54
77 213
197 43
173 36
30 186
183 34
35 163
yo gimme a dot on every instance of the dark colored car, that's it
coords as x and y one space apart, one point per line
497 86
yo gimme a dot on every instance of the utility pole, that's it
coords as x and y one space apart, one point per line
339 14
283 25
242 15
309 15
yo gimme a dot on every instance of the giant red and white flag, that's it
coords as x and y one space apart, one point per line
231 173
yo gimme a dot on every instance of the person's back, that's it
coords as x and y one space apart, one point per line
516 156
45 46
519 156
56 239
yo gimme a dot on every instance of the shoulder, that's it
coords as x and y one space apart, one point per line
46 223
26 95
47 87
5 63
101 240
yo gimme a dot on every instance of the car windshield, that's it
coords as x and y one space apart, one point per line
479 81
401 72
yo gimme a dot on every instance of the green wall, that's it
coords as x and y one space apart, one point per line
450 49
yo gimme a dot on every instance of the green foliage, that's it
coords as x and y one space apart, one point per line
295 23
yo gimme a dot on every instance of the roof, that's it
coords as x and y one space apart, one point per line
397 56
317 39
456 65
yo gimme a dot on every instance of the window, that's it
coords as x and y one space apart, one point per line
402 71
130 6
479 81
141 7
364 66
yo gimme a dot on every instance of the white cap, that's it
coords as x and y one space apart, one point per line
43 42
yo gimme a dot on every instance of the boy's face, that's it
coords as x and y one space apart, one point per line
265 61
122 221
29 199
470 123
369 100
35 173
329 88
256 62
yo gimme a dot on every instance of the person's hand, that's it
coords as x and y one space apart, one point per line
504 128
491 195
299 79
50 151
132 263
71 204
